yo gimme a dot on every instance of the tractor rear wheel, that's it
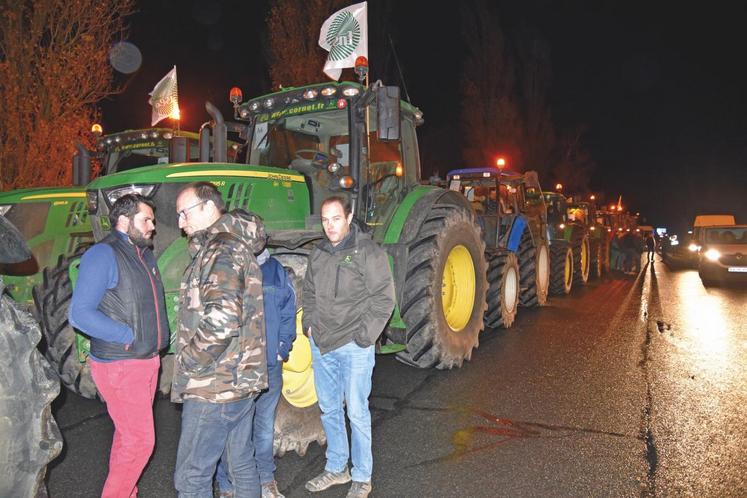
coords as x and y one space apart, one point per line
561 273
581 260
52 300
443 303
534 268
503 293
29 436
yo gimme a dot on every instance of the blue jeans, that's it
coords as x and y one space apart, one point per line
263 433
209 429
345 374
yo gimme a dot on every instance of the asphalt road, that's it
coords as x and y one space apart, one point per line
632 386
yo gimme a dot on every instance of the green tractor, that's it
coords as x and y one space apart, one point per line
569 245
55 223
511 213
302 145
585 213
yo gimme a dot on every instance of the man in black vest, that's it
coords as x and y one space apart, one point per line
118 301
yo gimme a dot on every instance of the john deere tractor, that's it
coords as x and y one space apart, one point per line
568 252
511 212
300 146
585 213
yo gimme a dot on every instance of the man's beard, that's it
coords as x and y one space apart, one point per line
138 238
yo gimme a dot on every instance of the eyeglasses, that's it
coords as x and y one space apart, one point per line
183 212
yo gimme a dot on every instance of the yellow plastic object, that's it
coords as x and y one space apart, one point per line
298 377
458 288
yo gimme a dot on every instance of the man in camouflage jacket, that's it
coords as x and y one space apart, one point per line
220 364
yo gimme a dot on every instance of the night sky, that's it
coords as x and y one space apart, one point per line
660 86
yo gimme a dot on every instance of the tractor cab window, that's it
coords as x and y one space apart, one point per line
312 144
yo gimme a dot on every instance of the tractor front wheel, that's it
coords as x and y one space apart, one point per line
561 273
443 302
503 293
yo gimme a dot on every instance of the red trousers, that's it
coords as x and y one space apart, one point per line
128 388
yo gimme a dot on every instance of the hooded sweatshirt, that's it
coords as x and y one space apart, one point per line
220 344
348 292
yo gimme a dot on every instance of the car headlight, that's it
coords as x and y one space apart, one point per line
712 254
674 242
115 193
4 209
693 247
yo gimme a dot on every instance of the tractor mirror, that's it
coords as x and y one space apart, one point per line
387 113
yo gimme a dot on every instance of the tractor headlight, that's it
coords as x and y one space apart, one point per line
712 254
115 193
693 247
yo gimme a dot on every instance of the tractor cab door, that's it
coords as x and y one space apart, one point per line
388 172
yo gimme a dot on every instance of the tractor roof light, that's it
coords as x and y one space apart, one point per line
97 130
168 135
329 91
346 182
154 134
268 103
144 135
235 96
311 94
350 91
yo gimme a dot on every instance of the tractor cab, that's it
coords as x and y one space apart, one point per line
557 214
345 139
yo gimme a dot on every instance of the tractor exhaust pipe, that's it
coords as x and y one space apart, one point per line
220 134
81 166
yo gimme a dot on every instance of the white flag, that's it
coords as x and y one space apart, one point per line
165 98
345 36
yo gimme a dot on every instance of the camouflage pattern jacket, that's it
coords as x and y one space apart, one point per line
220 343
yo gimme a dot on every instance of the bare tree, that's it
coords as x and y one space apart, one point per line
575 164
295 57
490 117
534 77
53 71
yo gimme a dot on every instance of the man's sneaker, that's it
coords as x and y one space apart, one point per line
327 479
270 490
359 489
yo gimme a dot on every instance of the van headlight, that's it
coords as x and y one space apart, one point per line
712 254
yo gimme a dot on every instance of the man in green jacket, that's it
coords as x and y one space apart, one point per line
220 365
348 298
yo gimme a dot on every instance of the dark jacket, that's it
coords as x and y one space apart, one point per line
280 308
348 292
135 301
220 343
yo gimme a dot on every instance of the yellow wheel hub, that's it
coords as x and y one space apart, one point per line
298 377
568 268
458 288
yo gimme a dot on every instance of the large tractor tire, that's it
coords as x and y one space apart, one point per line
52 300
443 303
561 272
503 290
534 269
596 269
581 259
29 436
